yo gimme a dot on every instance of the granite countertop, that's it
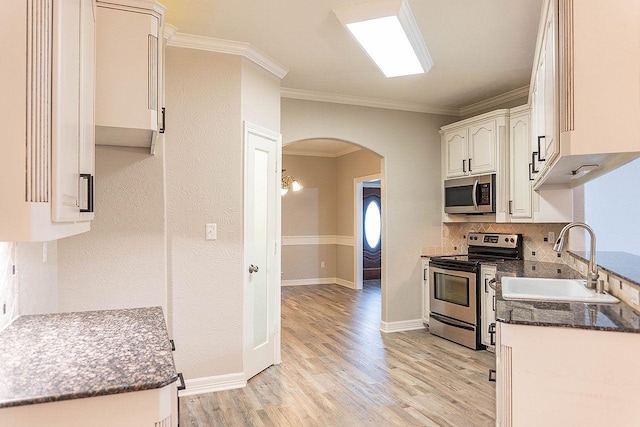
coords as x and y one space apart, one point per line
605 317
61 356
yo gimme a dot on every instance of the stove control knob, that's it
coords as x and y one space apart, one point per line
506 239
511 240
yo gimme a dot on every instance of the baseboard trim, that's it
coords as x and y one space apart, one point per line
318 281
345 283
403 325
213 384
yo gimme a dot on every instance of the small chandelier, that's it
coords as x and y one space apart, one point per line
289 183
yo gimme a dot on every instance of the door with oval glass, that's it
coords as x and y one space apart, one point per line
371 240
262 253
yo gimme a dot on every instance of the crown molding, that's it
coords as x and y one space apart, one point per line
366 102
210 44
495 101
311 153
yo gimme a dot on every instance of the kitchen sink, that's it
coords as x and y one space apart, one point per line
538 289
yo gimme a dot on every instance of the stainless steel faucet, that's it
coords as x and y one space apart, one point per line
593 267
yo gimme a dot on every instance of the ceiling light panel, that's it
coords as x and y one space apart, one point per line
387 31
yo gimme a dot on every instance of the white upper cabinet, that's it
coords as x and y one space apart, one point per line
553 204
520 165
482 147
470 147
129 59
47 81
584 90
456 153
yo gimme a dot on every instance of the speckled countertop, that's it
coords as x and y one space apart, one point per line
52 357
606 317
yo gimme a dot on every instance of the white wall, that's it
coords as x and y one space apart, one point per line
121 262
612 209
208 97
410 145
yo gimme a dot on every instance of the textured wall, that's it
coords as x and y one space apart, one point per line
210 95
410 145
358 164
312 211
121 262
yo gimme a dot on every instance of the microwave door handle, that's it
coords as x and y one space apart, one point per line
474 198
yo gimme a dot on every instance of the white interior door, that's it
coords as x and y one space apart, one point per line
262 250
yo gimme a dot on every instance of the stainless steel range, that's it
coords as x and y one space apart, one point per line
454 286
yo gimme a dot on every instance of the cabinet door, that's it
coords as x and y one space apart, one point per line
482 148
426 307
66 97
537 122
128 47
86 159
456 153
520 152
488 304
550 143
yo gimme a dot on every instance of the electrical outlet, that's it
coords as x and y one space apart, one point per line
552 237
321 264
635 296
211 232
44 252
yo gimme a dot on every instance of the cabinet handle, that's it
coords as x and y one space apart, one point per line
511 202
486 291
173 345
469 164
492 375
182 385
424 274
494 303
533 162
86 185
464 166
539 150
530 171
162 129
492 333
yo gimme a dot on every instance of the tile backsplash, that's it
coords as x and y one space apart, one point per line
536 245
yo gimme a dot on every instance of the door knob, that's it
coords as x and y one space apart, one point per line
253 268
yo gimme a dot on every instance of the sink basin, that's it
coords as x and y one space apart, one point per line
536 289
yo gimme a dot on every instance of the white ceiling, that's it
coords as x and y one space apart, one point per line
480 49
320 148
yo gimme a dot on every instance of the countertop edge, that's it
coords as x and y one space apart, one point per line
73 396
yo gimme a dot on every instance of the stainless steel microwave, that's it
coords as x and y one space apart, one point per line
471 195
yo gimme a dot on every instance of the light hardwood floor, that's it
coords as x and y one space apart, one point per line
338 369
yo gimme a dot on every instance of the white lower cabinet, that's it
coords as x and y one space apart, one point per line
554 376
488 305
156 407
426 307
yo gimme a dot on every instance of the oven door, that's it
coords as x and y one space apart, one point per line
453 294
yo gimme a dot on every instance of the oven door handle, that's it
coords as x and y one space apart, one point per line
474 197
451 322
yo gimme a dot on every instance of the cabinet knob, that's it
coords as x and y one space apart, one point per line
253 268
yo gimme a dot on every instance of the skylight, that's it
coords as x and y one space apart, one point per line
387 31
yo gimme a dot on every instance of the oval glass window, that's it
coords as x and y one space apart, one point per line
372 224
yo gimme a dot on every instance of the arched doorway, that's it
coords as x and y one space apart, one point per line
332 173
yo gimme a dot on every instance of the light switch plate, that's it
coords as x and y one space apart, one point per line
635 296
211 232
